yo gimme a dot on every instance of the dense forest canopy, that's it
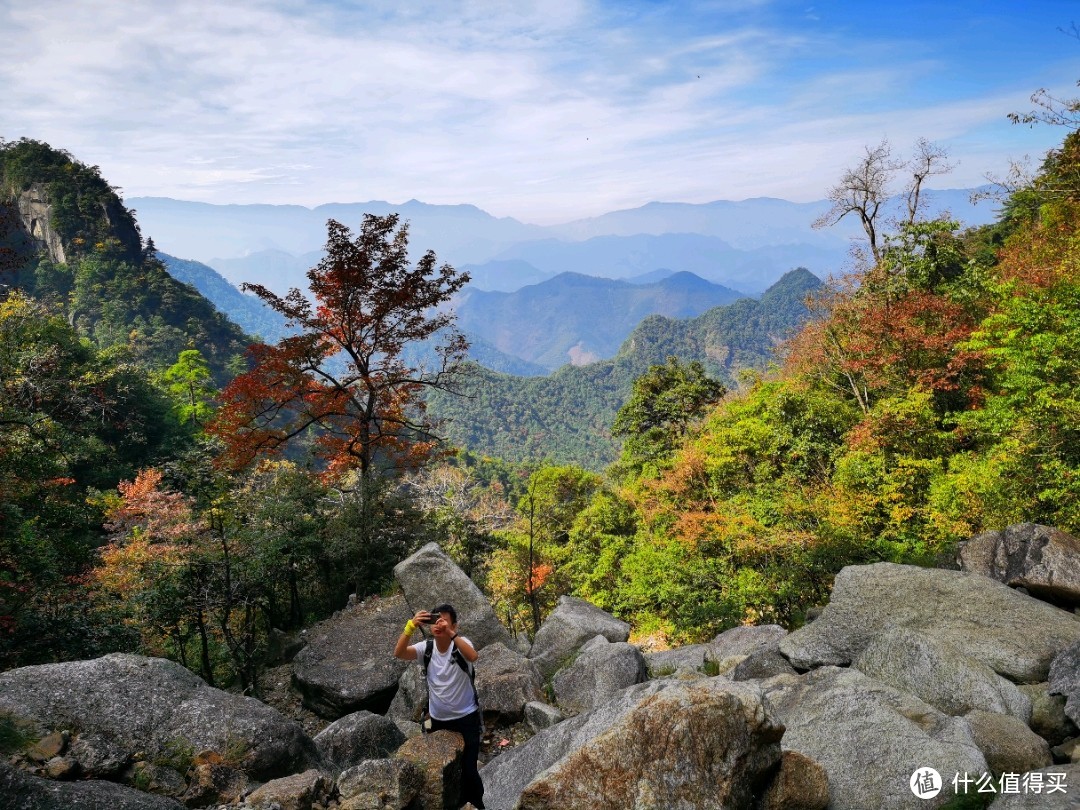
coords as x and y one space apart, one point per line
931 395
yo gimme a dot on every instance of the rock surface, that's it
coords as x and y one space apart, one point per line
429 578
348 663
297 792
940 674
153 705
765 662
1048 718
505 681
357 737
1008 744
601 669
1015 635
438 758
573 622
801 784
745 640
869 737
212 783
669 744
411 697
21 791
540 715
1064 680
99 758
667 662
379 784
36 214
1042 560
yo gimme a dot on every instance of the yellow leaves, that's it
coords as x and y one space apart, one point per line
126 567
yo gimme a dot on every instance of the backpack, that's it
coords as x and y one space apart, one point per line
466 667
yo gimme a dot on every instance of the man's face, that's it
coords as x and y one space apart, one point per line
444 626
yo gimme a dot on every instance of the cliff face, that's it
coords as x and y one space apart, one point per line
35 218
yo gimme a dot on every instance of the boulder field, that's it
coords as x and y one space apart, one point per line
912 685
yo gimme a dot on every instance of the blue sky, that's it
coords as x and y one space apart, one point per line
545 111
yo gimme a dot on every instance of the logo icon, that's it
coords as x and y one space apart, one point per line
925 783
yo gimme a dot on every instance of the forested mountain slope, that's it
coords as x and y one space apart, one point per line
72 242
567 416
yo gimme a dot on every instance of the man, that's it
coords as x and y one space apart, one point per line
452 701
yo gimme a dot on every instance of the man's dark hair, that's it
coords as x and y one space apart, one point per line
446 609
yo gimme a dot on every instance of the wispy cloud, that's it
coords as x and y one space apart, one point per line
542 110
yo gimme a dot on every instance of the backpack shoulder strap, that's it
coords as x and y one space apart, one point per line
466 667
469 670
428 646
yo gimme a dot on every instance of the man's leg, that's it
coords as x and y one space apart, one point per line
472 787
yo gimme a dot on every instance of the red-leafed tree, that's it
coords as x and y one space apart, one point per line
345 374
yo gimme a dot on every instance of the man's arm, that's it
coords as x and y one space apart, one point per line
465 648
403 649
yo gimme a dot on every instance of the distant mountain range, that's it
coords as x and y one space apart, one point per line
580 319
745 245
532 331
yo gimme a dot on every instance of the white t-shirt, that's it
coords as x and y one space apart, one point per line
450 692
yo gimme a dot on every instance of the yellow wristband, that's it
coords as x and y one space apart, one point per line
410 628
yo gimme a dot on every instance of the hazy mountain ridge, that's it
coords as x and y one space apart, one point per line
504 275
744 244
577 319
246 311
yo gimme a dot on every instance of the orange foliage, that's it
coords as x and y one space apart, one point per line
369 305
870 344
144 509
537 577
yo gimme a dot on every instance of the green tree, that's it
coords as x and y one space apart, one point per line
664 402
191 385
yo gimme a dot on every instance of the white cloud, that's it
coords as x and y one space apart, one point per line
541 110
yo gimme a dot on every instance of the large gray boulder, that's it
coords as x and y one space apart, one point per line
940 674
297 792
379 784
765 662
412 696
357 737
1013 634
429 578
664 744
573 622
690 658
154 706
745 640
869 737
1043 560
1065 680
437 757
600 671
505 681
21 791
348 664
